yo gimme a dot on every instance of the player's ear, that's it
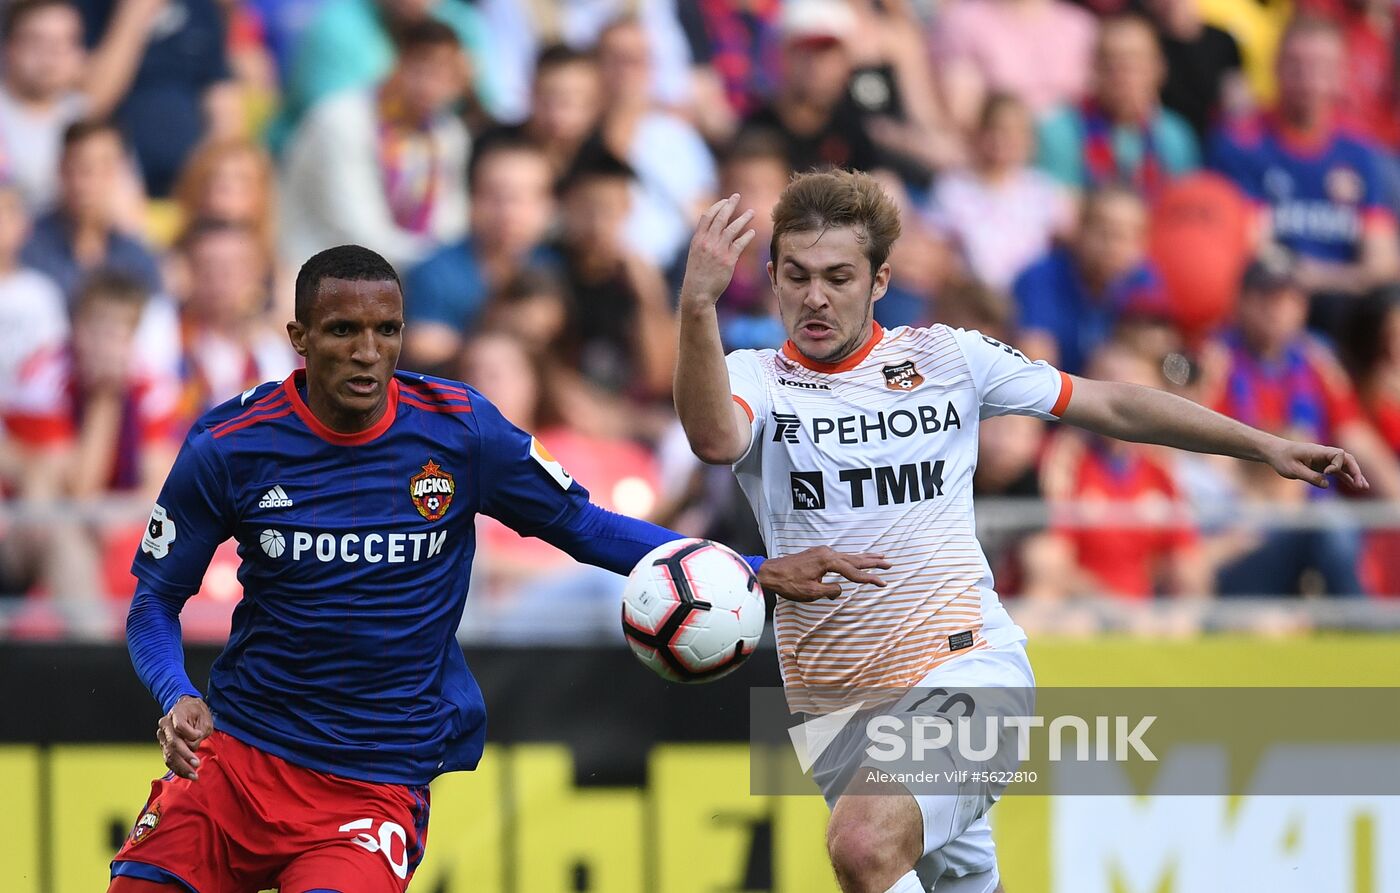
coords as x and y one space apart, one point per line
881 283
296 332
772 275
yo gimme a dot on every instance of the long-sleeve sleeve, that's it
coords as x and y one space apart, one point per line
192 516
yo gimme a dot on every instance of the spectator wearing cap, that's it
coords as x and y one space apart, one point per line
1279 378
40 94
349 45
1072 297
1321 183
512 206
387 166
675 170
812 110
1121 133
1038 50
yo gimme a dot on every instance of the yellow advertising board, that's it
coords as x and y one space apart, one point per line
524 822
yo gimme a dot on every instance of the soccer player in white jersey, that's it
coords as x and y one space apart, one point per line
866 439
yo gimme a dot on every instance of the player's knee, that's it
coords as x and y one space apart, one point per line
869 850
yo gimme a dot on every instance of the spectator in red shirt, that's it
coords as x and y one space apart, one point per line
1278 378
1124 557
1371 352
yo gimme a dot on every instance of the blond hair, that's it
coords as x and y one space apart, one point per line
820 200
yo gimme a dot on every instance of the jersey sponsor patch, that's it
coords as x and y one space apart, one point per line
431 491
808 492
160 533
959 641
902 376
550 464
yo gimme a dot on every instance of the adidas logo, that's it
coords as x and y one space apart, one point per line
276 498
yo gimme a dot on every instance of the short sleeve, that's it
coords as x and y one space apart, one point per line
522 485
1010 384
192 516
748 388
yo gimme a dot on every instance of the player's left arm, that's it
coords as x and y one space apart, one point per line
1146 415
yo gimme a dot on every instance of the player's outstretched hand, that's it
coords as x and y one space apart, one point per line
180 732
799 576
714 251
1312 462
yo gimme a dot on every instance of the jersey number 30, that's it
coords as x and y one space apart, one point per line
388 831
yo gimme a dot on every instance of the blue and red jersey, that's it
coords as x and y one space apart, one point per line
1323 194
1302 393
356 551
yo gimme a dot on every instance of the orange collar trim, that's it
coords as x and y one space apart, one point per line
876 333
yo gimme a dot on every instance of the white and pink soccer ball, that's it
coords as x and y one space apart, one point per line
692 610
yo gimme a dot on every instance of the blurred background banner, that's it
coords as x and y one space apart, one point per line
601 777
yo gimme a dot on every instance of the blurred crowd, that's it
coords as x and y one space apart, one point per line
1198 195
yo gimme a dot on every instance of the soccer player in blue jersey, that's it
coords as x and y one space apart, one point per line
342 692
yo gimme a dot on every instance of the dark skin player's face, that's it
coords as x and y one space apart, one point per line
351 341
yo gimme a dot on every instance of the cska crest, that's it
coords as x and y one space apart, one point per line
902 376
146 824
431 490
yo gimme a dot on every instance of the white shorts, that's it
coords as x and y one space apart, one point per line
958 847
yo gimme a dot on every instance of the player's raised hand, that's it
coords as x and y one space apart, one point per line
719 239
180 732
1313 462
800 576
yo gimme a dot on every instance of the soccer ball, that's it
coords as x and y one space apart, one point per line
692 610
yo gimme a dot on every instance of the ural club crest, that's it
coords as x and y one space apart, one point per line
902 376
431 490
146 824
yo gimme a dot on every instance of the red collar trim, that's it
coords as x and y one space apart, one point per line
298 378
1307 143
876 333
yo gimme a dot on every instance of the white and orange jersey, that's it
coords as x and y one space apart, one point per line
876 454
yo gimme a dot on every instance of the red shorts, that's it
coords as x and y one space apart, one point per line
254 821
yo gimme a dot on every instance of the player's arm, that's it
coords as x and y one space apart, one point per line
525 488
716 425
191 518
1146 415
